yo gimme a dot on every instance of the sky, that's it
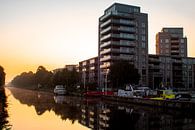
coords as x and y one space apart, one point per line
54 33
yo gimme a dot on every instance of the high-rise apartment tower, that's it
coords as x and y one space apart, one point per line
123 35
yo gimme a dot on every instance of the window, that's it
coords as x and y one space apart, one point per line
143 38
144 72
143 25
136 10
143 31
143 45
161 40
166 40
182 40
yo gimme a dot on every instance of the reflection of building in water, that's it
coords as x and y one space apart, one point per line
102 116
89 116
95 116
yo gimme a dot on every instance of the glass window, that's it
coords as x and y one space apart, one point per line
143 38
143 45
143 31
143 25
161 40
166 40
182 40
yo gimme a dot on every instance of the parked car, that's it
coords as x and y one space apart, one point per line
183 96
59 90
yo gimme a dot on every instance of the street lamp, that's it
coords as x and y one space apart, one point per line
84 76
106 80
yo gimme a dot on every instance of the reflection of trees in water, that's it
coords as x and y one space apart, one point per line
4 124
43 101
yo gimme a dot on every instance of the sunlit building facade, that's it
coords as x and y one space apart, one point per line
171 42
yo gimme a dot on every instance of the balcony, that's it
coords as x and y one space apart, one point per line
105 51
105 58
121 57
127 29
121 36
105 37
105 23
125 22
112 50
153 60
105 65
105 16
106 30
174 51
174 47
119 43
125 36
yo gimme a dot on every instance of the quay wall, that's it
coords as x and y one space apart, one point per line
151 102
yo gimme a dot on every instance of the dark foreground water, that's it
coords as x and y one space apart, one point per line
30 110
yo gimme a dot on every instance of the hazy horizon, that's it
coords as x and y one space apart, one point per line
55 33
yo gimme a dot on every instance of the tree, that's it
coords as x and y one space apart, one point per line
122 73
2 76
43 76
66 78
24 79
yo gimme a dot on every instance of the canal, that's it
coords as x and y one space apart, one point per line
32 110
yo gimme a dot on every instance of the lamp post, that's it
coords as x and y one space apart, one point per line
106 79
84 76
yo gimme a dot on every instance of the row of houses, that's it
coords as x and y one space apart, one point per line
123 35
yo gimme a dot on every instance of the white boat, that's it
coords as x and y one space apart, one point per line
59 90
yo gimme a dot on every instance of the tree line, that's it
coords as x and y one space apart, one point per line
120 74
2 76
45 79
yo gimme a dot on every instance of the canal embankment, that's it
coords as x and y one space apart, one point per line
175 104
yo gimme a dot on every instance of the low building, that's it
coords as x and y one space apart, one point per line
169 71
89 71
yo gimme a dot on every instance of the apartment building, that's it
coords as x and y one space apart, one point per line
123 35
171 42
168 71
170 66
89 71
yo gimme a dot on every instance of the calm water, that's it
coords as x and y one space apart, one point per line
29 110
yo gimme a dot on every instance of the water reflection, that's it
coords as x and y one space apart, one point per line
100 115
4 124
43 102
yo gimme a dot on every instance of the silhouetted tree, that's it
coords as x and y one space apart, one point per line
2 76
67 78
43 77
122 73
24 79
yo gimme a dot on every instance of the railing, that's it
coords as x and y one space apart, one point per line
120 43
105 30
105 23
